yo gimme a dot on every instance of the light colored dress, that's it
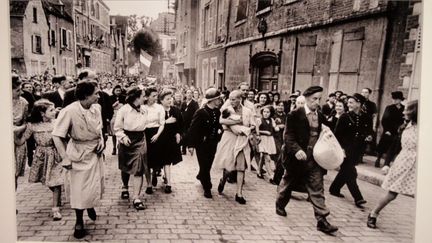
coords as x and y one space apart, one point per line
46 167
233 144
402 174
20 113
85 130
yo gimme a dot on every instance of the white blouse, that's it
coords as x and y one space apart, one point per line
129 119
155 115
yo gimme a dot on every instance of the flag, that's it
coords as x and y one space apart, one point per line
145 58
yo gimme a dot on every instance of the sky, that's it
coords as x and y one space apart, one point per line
149 8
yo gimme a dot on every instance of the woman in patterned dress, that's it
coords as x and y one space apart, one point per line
401 178
81 121
46 166
20 113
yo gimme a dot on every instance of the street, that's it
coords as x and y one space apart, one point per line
186 216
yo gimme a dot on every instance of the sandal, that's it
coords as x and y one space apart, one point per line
56 214
138 205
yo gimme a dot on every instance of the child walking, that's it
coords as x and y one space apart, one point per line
46 167
267 145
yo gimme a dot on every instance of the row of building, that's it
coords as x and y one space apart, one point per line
63 36
285 45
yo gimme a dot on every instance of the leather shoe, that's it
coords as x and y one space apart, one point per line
360 203
149 190
371 222
80 232
92 214
221 186
337 194
208 194
281 211
324 226
240 200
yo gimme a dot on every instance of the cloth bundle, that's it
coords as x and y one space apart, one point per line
327 151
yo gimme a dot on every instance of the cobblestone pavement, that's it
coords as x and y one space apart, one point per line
186 216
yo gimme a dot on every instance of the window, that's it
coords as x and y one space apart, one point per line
34 15
52 38
263 6
92 8
84 5
97 11
242 7
204 24
36 44
64 38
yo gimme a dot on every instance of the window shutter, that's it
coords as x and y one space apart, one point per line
202 27
210 23
33 44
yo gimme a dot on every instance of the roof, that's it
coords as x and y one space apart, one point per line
18 7
52 7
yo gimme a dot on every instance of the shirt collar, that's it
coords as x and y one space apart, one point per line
92 108
307 110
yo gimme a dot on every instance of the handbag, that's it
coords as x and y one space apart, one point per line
327 151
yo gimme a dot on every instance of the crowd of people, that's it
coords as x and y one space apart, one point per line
62 124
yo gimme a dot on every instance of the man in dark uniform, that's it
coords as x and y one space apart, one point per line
370 108
353 130
391 120
302 129
204 135
188 109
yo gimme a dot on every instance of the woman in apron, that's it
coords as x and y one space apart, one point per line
81 122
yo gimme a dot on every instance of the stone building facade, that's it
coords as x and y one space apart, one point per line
60 36
164 23
285 45
92 28
118 43
30 53
186 15
211 40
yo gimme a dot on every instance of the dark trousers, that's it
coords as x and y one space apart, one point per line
347 175
205 153
312 175
31 145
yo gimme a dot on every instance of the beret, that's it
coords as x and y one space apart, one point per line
312 90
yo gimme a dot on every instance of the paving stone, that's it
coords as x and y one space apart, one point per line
186 216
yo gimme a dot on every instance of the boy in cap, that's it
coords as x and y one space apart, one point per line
353 130
302 129
203 135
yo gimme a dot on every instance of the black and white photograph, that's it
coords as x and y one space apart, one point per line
215 120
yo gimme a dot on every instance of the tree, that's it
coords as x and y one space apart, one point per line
146 39
136 23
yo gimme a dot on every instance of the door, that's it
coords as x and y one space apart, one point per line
268 78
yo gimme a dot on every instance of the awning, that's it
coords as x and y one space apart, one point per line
264 58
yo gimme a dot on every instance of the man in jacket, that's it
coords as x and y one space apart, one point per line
203 135
391 120
302 129
188 109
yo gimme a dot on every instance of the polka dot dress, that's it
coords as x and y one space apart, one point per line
402 175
